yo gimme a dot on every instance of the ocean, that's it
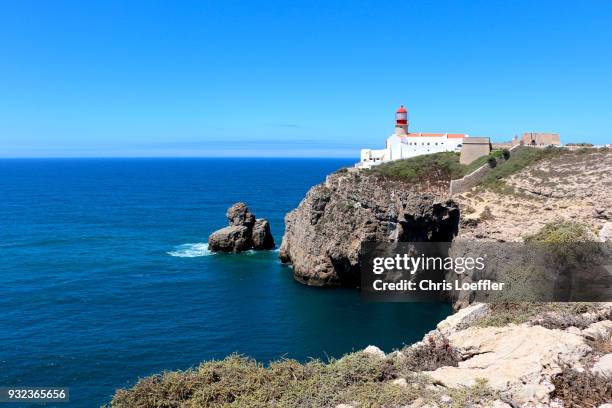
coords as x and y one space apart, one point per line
106 275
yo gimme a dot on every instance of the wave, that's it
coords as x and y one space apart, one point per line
201 249
191 250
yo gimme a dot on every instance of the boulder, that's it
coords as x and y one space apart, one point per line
243 233
374 351
603 366
462 318
261 235
230 239
598 331
239 214
519 361
605 234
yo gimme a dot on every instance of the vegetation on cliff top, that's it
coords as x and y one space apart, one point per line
523 157
443 167
436 167
361 379
561 232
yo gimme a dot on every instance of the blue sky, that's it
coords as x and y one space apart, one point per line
312 78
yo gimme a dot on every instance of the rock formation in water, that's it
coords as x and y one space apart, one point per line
244 232
324 235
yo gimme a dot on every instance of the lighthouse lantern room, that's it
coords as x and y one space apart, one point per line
401 121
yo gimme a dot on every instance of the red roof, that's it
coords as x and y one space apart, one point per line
401 109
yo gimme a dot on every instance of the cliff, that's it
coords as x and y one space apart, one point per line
324 235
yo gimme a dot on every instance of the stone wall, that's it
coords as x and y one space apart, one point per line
541 139
474 148
467 182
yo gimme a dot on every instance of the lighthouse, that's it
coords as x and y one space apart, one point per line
401 121
404 145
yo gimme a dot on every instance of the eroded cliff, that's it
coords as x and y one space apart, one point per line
324 235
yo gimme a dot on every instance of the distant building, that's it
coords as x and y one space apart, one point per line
403 144
473 148
541 139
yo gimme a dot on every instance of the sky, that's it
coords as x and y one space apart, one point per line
295 78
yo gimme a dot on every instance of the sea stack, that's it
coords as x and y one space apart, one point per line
244 232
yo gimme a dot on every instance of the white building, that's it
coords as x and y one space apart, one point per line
403 145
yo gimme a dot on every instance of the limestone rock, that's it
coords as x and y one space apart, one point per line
243 233
239 214
603 366
598 331
461 319
605 234
261 236
230 239
324 235
517 360
400 382
374 351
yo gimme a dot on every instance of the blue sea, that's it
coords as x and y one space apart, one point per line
106 276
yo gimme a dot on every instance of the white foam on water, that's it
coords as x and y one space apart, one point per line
191 250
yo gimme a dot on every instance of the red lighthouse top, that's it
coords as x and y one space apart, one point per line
401 116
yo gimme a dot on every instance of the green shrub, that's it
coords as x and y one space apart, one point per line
428 167
359 379
560 232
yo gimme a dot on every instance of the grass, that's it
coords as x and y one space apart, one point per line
435 167
359 379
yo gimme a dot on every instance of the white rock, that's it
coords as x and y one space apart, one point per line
397 355
463 317
401 382
605 406
500 404
374 351
605 234
598 331
419 403
519 360
603 366
344 406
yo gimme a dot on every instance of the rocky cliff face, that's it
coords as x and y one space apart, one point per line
324 235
